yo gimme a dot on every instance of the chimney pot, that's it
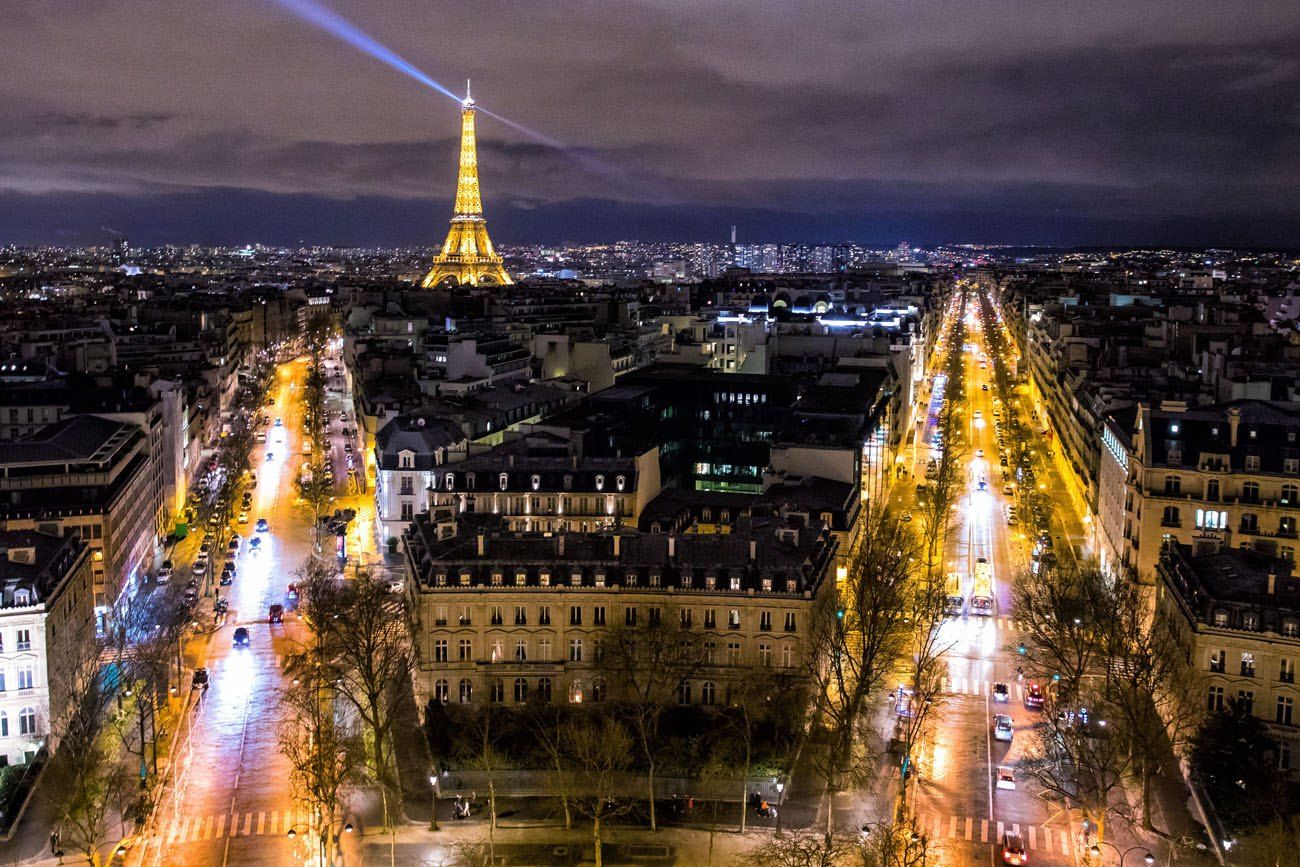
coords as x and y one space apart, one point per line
753 550
482 545
561 543
1272 583
672 545
617 547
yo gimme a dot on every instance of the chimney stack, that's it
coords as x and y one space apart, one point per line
672 545
617 548
1234 419
1272 583
753 550
482 545
561 543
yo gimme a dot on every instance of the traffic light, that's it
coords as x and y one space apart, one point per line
1020 648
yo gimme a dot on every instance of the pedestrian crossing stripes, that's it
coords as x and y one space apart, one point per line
1036 837
254 823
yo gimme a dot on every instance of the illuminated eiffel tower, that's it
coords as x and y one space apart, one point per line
467 257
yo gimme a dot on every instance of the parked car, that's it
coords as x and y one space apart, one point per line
200 679
164 573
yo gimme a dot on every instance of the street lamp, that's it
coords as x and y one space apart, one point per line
1095 850
435 789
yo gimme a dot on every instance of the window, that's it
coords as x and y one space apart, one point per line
575 692
684 692
465 650
1250 492
733 619
504 480
408 510
440 691
710 618
1212 489
734 582
521 650
1249 522
710 652
1215 698
440 650
708 694
598 649
1290 494
598 615
598 689
655 615
575 650
521 615
544 690
765 654
1173 486
733 653
521 690
497 691
27 721
407 486
1285 708
1286 670
1216 661
1283 757
629 616
1170 517
544 648
464 618
575 615
4 724
765 621
1252 461
787 655
789 621
544 615
1246 700
498 615
1286 526
2 680
687 617
498 650
466 691
406 461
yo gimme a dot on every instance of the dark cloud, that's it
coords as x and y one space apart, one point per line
939 119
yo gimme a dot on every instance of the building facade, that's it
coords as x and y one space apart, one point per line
504 617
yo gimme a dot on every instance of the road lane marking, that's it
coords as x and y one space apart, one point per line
1001 830
261 822
1015 828
952 827
248 823
207 827
221 826
984 830
970 828
275 818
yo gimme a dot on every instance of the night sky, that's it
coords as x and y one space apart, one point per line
1023 121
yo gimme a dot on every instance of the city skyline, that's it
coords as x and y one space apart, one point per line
1130 127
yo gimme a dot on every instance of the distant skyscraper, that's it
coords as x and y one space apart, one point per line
467 255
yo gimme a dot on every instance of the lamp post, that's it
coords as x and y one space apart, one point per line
1095 849
325 835
435 788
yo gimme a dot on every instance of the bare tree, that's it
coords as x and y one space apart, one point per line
546 722
598 747
799 849
857 637
364 646
647 664
321 754
892 845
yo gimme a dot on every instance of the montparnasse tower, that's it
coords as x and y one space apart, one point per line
467 257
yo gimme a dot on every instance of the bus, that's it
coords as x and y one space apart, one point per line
953 592
981 594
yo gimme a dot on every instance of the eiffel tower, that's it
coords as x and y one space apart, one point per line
467 257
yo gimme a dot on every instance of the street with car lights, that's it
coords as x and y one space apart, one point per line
227 798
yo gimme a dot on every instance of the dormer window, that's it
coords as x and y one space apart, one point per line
504 480
620 482
654 579
600 577
687 579
406 461
22 597
767 585
600 483
450 481
521 578
497 578
734 582
575 579
568 482
544 577
791 585
537 481
1173 427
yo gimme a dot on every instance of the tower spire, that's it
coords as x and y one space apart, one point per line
467 256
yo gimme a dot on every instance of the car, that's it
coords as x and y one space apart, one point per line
279 422
1003 728
983 485
227 578
347 446
262 525
984 387
254 543
164 572
1000 692
200 679
252 477
243 518
979 453
205 547
978 414
1006 777
291 591
270 456
232 545
276 614
241 637
396 586
907 517
1034 696
200 563
1013 849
